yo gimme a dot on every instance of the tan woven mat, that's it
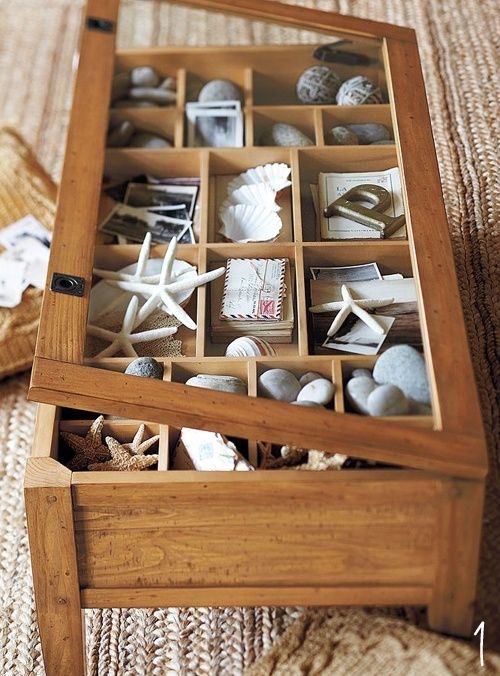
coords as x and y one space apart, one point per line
457 45
25 188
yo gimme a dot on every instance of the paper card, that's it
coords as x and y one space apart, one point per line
207 451
27 228
12 281
334 184
253 289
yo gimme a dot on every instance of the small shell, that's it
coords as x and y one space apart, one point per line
250 346
275 175
245 223
256 194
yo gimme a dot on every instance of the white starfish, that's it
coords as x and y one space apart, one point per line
349 305
124 339
138 275
163 292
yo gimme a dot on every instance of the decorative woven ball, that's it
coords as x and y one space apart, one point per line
357 91
318 84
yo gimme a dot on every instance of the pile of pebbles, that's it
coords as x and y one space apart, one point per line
311 389
370 133
397 386
142 87
124 134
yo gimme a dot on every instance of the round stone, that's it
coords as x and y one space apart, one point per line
169 83
220 90
144 76
309 377
284 135
131 103
370 132
404 367
342 136
357 91
146 367
416 408
156 95
387 400
320 390
306 403
357 391
317 85
279 384
120 86
144 139
119 136
361 373
216 382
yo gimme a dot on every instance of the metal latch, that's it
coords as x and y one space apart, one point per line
94 23
69 284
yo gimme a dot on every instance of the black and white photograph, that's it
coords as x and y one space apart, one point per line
174 201
216 125
134 223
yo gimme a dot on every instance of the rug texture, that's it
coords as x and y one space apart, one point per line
457 39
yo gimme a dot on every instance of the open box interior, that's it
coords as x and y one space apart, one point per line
267 76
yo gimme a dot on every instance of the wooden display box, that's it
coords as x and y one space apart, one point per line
406 531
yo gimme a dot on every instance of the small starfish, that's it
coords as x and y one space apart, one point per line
88 449
137 446
125 339
122 460
349 305
163 292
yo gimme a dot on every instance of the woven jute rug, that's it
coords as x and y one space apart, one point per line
457 41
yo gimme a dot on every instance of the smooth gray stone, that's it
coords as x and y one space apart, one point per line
146 367
318 84
144 139
389 142
309 377
157 95
320 390
220 383
371 132
357 392
279 384
284 135
361 373
404 367
169 83
416 408
120 135
303 402
342 136
129 103
220 90
387 400
120 86
144 76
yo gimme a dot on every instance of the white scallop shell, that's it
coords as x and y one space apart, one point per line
259 194
246 223
275 175
249 346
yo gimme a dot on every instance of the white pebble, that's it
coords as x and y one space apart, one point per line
320 390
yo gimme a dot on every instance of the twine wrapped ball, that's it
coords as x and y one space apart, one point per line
318 84
357 91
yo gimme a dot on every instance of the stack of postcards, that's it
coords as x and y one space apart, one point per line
254 298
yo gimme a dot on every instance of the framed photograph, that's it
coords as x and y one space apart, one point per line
213 125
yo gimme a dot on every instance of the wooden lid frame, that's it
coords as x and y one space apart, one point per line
456 446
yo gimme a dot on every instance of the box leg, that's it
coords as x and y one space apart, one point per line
452 608
53 560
